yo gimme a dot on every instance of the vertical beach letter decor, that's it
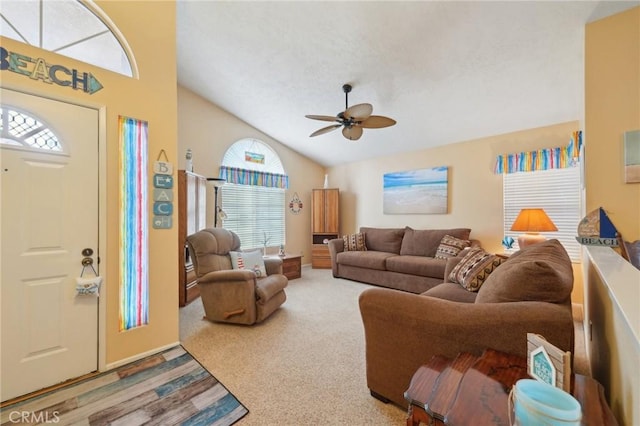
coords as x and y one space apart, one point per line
134 261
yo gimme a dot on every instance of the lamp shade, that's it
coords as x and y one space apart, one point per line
532 221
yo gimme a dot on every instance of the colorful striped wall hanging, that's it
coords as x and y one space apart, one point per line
542 159
134 261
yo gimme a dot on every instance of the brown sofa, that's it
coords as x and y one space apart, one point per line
399 258
529 293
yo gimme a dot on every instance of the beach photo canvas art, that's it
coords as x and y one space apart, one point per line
632 156
421 191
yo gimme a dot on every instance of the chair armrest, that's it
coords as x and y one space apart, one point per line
404 330
335 246
273 265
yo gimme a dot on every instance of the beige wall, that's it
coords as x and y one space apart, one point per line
612 96
149 28
475 192
209 131
612 107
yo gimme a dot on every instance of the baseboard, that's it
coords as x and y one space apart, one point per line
139 356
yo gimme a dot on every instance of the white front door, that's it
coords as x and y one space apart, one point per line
49 215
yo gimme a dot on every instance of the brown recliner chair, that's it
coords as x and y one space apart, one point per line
233 295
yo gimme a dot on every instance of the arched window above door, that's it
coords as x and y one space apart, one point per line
75 28
21 129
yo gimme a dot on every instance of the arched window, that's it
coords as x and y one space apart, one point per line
22 130
253 200
77 29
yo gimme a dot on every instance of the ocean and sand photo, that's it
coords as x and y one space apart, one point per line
421 191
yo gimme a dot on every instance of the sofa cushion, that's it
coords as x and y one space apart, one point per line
540 272
417 265
383 239
354 242
474 268
450 247
364 259
425 242
451 291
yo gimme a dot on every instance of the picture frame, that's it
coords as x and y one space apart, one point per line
632 156
422 191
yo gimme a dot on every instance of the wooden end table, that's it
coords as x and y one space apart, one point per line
292 265
475 390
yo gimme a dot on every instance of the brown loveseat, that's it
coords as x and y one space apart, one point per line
529 293
399 258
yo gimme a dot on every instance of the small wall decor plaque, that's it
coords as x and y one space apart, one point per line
295 205
162 192
548 363
596 229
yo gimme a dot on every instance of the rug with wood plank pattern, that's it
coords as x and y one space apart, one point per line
169 388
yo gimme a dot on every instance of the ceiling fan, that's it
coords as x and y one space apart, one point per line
352 119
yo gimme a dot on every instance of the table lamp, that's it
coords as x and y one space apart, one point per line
531 222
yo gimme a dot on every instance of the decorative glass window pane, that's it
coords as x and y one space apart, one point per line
68 27
21 129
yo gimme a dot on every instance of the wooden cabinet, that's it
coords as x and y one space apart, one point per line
192 210
325 224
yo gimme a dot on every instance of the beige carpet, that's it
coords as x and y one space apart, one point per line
303 365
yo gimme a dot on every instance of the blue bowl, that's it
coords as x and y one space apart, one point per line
537 403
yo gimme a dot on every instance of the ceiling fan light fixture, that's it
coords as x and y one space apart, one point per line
353 119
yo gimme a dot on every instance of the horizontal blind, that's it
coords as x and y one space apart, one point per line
255 213
557 191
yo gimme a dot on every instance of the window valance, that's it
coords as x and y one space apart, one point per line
253 177
542 159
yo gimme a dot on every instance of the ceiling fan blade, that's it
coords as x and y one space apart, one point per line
324 130
358 112
376 122
323 117
352 132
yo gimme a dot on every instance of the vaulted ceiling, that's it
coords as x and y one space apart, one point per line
446 71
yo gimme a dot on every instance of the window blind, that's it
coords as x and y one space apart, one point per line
557 191
255 213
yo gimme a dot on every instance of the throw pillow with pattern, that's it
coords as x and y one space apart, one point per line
450 247
354 242
249 260
474 268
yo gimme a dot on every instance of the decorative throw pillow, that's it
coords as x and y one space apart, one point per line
249 260
474 268
450 247
354 242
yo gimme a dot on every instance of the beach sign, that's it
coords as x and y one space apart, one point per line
596 229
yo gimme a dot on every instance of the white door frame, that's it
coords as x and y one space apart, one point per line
102 209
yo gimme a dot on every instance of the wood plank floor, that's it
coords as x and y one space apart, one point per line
169 388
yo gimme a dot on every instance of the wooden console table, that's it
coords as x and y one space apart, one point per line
475 390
